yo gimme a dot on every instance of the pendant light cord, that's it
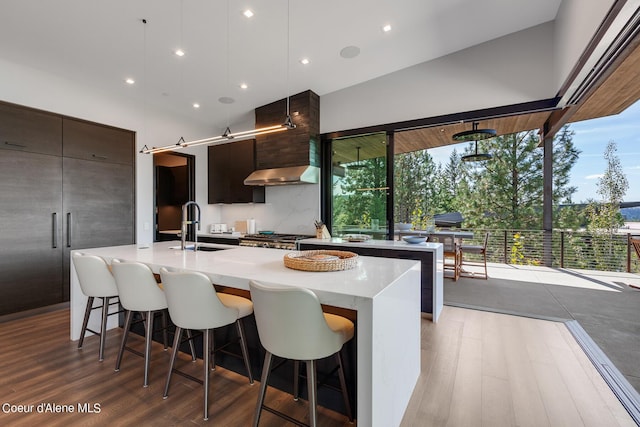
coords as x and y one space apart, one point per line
288 51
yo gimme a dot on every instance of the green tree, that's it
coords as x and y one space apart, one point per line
506 191
416 192
363 194
450 182
604 217
508 188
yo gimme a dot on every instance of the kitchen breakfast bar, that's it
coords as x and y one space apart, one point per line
384 293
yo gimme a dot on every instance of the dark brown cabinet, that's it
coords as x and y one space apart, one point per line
31 250
97 207
29 130
89 141
51 203
229 164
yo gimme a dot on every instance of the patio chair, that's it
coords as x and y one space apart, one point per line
452 254
476 250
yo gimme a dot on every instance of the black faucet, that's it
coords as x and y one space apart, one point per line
186 223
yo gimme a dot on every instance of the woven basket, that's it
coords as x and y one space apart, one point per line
335 261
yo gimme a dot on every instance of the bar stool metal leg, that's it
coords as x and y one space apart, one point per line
174 352
127 326
263 387
296 380
312 387
343 386
245 351
103 327
147 347
165 335
207 356
87 313
192 347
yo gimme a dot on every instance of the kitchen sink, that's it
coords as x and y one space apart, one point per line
210 249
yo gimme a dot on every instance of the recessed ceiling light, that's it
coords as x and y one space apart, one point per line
196 105
350 52
386 28
179 52
248 13
243 86
130 81
304 61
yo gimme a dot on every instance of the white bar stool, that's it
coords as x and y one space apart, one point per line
195 304
96 281
291 325
139 292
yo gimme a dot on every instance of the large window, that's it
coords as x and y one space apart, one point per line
359 185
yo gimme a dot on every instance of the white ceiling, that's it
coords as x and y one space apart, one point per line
101 42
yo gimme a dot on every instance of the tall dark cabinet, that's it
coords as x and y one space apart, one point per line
64 184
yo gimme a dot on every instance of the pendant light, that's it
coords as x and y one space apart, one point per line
475 135
229 136
357 164
476 157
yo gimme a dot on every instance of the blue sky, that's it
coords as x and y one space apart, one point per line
591 137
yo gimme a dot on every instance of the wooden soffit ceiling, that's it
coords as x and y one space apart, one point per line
618 92
438 136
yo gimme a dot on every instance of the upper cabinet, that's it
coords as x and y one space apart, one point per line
229 165
30 130
89 141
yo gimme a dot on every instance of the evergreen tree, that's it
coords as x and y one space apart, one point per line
507 190
450 182
364 194
508 187
416 193
565 155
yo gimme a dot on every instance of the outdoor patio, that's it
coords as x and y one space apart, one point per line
601 303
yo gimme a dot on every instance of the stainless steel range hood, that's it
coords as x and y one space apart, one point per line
284 176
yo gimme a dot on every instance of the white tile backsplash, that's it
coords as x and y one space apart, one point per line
287 209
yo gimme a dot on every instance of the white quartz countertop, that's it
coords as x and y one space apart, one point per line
378 244
236 265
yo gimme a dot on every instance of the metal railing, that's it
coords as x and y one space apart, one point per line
569 249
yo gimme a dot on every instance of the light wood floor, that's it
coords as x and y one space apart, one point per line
478 369
489 369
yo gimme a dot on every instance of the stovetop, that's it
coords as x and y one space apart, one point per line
276 237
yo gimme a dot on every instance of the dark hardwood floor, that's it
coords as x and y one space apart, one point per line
39 365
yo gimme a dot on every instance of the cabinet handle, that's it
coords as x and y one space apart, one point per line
68 229
54 230
13 144
98 157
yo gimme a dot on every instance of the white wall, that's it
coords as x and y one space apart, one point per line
288 209
38 89
512 69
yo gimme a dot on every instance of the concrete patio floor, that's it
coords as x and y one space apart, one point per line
602 303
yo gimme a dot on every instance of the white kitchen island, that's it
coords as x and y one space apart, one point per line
385 293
